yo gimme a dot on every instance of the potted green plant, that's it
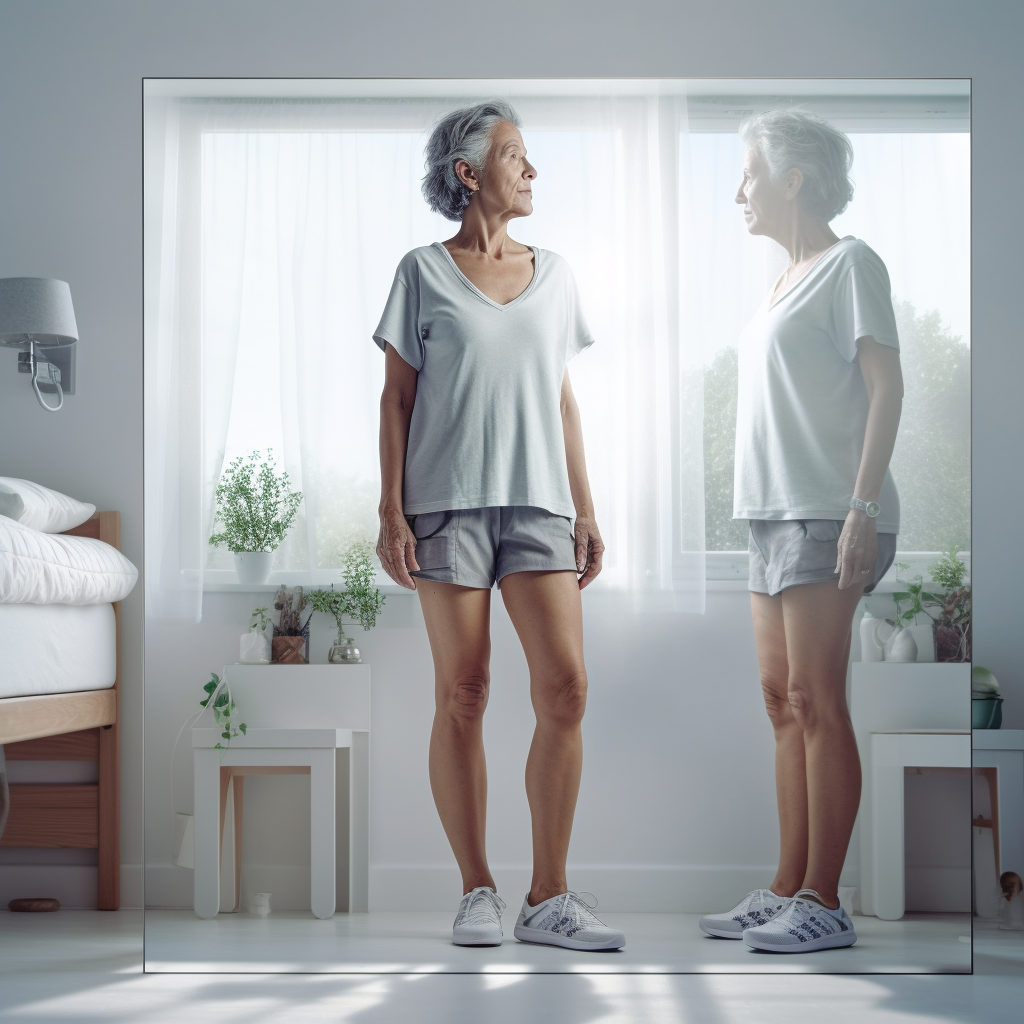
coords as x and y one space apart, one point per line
256 508
360 600
952 624
254 648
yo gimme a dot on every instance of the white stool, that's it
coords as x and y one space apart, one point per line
891 752
273 751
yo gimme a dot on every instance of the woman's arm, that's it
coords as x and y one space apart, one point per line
589 546
883 378
396 544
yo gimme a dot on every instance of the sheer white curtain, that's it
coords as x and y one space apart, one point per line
272 233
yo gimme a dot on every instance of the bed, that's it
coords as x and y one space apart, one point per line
80 724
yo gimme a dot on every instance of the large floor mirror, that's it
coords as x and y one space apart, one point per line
291 824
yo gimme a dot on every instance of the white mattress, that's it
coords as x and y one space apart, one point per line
56 648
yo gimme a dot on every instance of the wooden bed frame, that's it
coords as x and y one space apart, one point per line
82 726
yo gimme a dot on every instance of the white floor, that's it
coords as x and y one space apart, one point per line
420 943
86 966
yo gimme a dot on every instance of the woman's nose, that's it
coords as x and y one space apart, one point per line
530 172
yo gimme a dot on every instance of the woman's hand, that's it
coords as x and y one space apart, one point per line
858 550
589 549
396 548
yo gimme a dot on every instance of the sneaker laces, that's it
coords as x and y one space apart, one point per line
572 905
804 912
763 902
480 906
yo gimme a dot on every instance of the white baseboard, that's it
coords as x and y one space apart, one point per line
638 888
73 885
623 888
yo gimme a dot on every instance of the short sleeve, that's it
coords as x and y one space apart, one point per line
861 306
399 324
579 333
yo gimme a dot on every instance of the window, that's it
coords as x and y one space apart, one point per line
273 229
912 205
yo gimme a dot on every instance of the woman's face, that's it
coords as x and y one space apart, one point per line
506 186
764 201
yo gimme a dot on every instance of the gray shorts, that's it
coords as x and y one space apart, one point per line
473 547
787 552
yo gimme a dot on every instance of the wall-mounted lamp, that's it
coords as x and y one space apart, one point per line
37 317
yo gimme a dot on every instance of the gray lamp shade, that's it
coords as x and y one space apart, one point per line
38 307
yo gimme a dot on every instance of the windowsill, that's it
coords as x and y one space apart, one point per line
224 581
726 571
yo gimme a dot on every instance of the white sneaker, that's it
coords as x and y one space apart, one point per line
802 927
478 922
566 920
756 908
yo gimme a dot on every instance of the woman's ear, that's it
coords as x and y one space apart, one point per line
467 175
794 179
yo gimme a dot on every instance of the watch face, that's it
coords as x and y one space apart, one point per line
873 509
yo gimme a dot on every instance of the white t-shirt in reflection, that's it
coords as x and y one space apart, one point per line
486 428
802 405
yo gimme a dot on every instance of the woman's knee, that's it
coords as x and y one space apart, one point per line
464 697
812 708
776 702
562 700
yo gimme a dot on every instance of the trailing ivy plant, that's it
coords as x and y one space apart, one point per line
260 620
254 504
225 711
360 600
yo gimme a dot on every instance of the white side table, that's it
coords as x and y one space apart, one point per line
263 751
890 754
893 697
307 719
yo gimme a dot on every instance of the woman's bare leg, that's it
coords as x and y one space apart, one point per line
818 618
790 769
458 626
547 613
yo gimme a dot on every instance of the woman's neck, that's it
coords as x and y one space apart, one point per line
481 234
804 238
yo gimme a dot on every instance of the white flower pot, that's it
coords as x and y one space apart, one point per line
254 649
253 567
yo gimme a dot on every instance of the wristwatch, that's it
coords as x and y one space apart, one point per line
872 508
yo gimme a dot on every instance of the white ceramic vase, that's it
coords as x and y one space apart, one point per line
253 567
254 649
901 647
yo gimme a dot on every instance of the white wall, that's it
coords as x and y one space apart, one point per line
70 207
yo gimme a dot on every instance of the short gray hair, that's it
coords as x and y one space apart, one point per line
463 134
821 152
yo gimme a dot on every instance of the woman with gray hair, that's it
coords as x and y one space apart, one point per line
820 395
482 477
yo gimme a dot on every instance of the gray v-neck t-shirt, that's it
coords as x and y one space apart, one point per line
486 427
802 405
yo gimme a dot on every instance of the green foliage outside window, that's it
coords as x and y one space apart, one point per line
931 463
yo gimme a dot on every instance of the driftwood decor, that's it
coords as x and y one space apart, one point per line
290 645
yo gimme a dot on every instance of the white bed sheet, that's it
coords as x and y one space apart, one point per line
56 648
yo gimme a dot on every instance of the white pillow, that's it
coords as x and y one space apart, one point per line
44 568
41 508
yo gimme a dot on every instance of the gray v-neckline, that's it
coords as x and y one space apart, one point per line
476 291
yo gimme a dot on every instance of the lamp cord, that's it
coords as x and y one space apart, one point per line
53 380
